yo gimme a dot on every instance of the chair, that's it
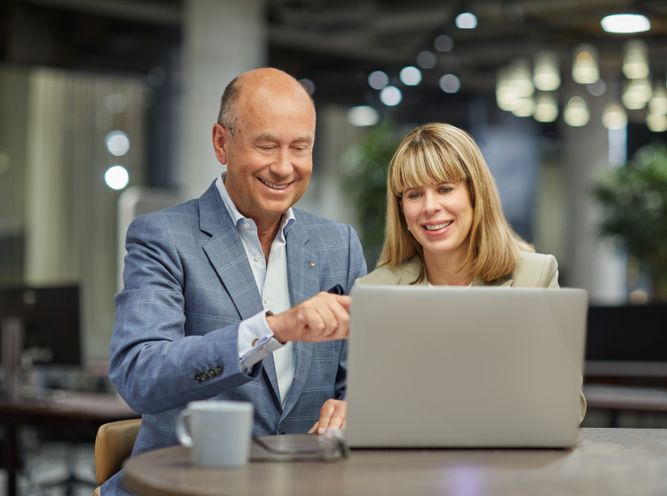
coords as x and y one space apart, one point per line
113 445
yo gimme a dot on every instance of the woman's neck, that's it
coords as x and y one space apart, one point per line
447 270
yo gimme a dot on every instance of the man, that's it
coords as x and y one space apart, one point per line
227 296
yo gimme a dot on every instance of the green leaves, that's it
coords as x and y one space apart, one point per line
367 184
634 206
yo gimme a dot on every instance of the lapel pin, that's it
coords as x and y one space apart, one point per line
311 265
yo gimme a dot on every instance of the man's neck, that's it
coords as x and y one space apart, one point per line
266 232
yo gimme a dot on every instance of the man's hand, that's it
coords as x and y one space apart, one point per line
323 317
333 415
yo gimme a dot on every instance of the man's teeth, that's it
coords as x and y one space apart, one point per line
435 227
274 186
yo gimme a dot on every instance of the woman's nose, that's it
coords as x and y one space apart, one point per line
431 203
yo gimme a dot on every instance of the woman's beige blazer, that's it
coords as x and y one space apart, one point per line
534 270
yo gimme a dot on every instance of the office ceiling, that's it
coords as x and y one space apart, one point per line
333 43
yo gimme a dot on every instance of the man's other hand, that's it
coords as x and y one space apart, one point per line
323 317
333 415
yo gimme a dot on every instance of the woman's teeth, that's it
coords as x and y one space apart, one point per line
435 227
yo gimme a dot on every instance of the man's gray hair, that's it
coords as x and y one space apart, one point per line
227 115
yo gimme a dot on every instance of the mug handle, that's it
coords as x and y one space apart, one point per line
182 430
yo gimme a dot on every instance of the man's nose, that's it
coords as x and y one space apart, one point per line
282 166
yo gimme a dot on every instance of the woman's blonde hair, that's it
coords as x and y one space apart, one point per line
438 153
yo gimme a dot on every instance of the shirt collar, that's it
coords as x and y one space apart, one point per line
239 219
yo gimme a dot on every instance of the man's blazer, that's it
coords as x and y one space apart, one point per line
187 285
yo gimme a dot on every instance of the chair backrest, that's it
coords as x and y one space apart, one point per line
113 445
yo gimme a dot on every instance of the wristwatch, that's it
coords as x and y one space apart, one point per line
264 345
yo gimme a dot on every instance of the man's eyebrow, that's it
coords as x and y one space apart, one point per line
270 137
265 137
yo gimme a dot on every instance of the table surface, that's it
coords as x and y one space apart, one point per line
604 462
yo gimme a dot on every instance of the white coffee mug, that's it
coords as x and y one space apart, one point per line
218 432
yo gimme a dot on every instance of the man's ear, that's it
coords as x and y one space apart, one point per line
220 138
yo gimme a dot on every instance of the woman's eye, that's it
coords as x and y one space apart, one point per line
445 189
412 195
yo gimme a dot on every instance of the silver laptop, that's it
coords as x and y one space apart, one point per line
465 367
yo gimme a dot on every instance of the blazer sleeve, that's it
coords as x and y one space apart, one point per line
153 364
356 268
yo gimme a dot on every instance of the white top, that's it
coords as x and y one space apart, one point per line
271 281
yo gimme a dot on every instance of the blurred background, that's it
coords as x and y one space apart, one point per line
106 109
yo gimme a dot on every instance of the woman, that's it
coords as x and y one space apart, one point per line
445 224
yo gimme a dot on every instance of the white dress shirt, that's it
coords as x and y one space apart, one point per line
272 283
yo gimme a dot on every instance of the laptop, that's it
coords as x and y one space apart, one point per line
464 367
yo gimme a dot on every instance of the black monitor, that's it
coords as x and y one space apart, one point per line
633 333
50 319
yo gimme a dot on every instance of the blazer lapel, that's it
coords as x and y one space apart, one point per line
227 255
229 260
304 281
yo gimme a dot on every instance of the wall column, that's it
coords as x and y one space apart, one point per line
221 39
595 263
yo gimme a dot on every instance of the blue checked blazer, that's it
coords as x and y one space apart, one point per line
187 285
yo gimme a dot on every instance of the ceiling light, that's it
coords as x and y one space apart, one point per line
576 112
426 60
410 76
585 65
309 85
118 144
524 107
391 96
378 80
116 177
546 108
636 94
505 93
625 23
466 20
443 43
656 123
597 88
363 115
614 117
449 83
520 78
115 103
635 60
658 102
546 75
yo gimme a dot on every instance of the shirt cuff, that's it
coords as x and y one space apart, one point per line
252 330
255 341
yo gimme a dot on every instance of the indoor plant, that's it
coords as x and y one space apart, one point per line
634 207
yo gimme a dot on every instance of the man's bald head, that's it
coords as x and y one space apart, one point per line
266 79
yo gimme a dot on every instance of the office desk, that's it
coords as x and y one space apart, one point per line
605 462
73 412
